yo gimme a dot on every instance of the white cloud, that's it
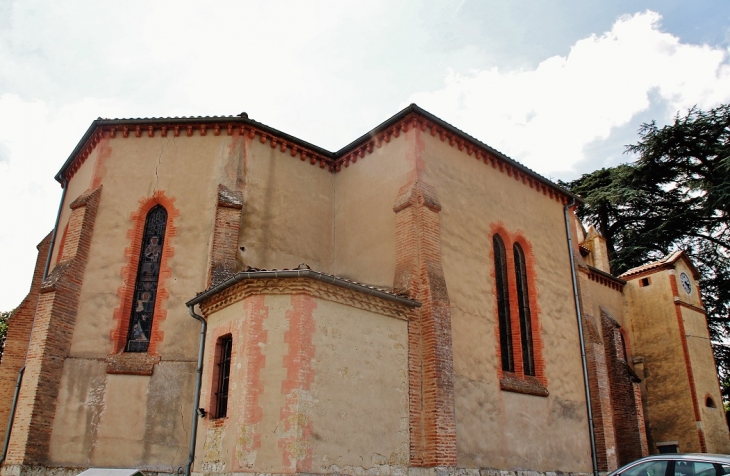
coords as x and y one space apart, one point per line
35 139
544 117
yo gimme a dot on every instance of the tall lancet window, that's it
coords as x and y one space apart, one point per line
505 327
148 273
523 301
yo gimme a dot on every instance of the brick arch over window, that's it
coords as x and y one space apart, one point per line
126 291
528 374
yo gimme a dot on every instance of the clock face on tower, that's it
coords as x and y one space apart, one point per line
686 283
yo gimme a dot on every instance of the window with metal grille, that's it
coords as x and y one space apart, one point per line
223 367
505 327
148 273
523 302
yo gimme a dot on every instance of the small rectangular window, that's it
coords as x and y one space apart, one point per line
223 368
644 282
668 448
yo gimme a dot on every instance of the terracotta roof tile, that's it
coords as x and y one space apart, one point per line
670 258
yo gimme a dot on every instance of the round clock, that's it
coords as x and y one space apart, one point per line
686 283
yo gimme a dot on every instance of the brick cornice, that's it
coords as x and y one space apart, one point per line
253 287
603 278
409 118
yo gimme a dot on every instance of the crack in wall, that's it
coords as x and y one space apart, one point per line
159 162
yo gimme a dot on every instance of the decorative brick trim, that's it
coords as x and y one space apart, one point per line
232 128
419 272
678 302
55 317
318 289
248 439
332 162
687 362
294 416
18 335
416 121
125 293
599 278
223 252
509 240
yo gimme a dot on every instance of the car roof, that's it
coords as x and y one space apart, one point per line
706 457
688 456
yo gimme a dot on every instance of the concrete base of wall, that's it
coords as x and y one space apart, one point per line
27 470
383 470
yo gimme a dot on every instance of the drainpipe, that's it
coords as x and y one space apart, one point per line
11 418
198 381
591 428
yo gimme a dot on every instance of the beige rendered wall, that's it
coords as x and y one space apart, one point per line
287 220
316 386
287 214
495 428
364 195
656 337
704 370
133 169
609 299
705 377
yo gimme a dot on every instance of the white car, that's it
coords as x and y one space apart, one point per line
689 464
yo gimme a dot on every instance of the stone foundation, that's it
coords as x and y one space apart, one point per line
383 470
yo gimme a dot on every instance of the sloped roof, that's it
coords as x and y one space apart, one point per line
411 116
303 271
663 263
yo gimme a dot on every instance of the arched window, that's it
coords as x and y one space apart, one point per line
523 301
148 273
505 327
710 403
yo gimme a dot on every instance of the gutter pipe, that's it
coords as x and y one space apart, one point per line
198 382
591 427
289 273
11 418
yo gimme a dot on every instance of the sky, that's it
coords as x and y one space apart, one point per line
559 85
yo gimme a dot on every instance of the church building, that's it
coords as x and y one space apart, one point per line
220 297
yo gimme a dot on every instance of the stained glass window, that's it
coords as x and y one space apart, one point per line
145 288
523 301
505 327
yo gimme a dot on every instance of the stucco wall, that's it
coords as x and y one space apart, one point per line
123 420
497 428
704 369
364 194
316 386
287 213
657 339
608 298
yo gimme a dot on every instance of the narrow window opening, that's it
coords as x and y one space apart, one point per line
523 301
505 327
223 367
709 402
145 288
644 282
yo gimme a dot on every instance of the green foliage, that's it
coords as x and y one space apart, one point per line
675 196
4 318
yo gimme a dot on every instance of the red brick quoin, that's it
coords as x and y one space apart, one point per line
129 272
55 317
419 273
